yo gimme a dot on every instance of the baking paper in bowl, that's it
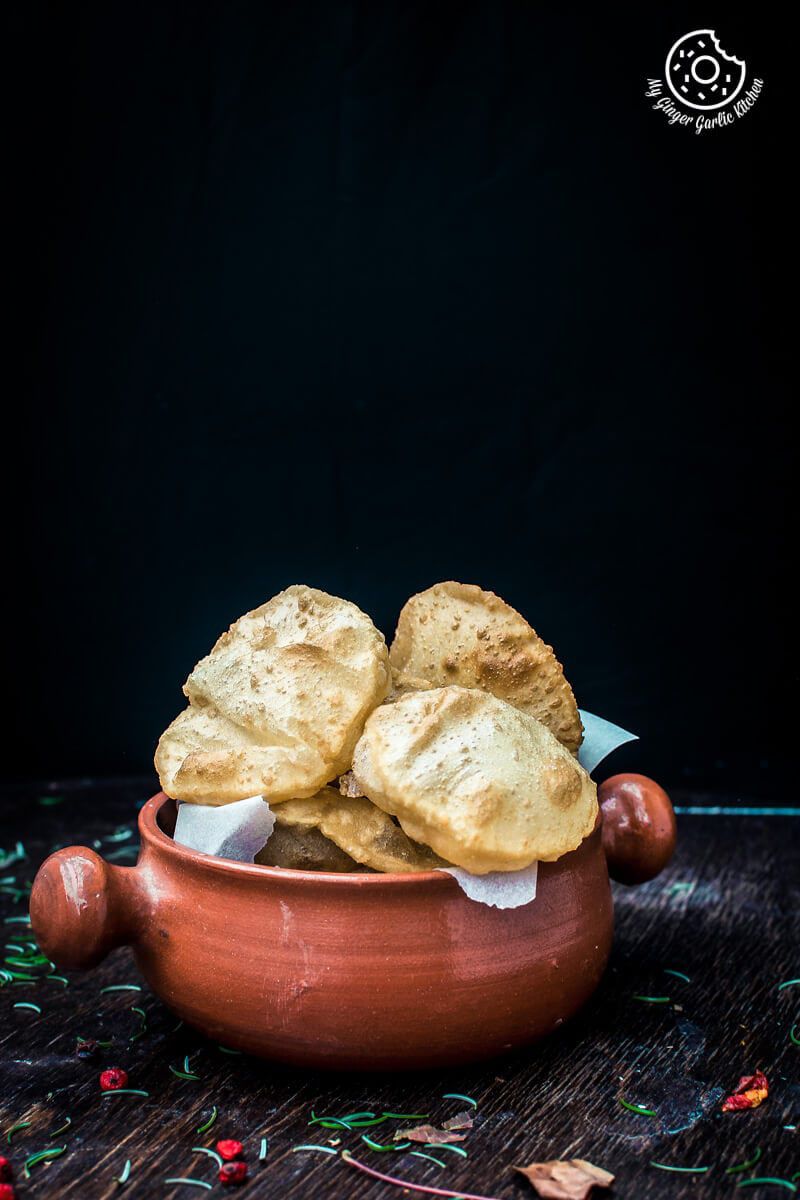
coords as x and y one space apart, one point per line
237 830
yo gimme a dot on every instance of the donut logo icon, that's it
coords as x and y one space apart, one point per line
700 74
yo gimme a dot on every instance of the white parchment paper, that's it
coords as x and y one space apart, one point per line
237 830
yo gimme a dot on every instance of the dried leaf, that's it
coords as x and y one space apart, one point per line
428 1134
462 1120
572 1180
749 1093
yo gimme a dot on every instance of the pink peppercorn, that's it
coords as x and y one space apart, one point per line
230 1149
113 1078
7 1192
6 1170
233 1173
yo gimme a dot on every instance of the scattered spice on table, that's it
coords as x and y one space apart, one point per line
20 1125
204 1128
233 1173
758 1181
408 1184
42 1156
459 1096
113 1078
680 1170
750 1091
639 1109
126 1173
460 1121
428 1134
570 1180
229 1149
737 1168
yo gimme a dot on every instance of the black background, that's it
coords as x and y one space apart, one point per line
371 295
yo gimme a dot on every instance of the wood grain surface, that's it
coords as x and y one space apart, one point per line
725 914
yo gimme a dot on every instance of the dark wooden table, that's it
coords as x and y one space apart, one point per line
725 914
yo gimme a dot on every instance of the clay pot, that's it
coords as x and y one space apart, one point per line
349 971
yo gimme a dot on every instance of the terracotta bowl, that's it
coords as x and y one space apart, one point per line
348 971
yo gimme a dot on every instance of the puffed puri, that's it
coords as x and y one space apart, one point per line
486 786
277 706
458 634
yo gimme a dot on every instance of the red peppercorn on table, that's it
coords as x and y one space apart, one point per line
102 1092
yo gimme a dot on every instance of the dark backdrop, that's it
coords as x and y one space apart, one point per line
372 295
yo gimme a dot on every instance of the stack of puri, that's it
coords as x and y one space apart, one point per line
456 746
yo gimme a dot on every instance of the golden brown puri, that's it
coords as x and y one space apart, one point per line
363 831
483 784
456 633
277 706
303 850
206 759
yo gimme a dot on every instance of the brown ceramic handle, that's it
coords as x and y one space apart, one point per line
81 906
639 827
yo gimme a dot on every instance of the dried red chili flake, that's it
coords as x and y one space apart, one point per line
113 1078
233 1173
86 1048
229 1149
7 1192
750 1091
6 1170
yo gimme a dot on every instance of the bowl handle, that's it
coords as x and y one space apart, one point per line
639 827
81 906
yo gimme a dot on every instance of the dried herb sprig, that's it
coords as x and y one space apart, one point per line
757 1180
142 1015
42 1156
459 1096
204 1128
16 1129
681 1170
430 1158
639 1109
210 1153
744 1166
406 1183
126 1173
379 1146
201 1183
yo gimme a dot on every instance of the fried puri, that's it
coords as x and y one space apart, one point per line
277 706
456 633
363 831
485 785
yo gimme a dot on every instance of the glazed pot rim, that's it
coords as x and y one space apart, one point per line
153 835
